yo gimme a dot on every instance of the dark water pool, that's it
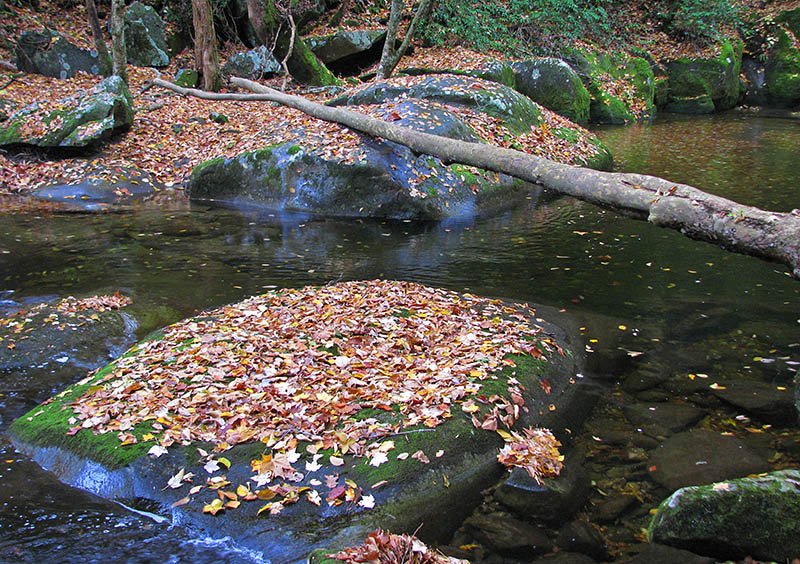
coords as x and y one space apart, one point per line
681 307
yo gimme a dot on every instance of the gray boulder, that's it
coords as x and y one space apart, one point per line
145 38
755 517
254 64
430 469
86 118
348 48
48 53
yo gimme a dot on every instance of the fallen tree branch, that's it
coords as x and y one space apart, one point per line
770 235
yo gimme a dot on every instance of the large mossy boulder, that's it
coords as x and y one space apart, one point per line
50 54
348 174
622 87
754 517
81 120
255 64
704 85
782 70
145 38
547 81
306 418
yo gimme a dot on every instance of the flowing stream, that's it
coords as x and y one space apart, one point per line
650 298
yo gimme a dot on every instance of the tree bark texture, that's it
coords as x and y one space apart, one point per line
119 61
770 235
97 38
205 45
276 31
391 57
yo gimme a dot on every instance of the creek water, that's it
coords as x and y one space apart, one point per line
651 298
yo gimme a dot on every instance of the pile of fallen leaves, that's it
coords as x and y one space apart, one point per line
383 547
68 306
300 365
535 450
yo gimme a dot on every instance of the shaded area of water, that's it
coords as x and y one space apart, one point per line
681 306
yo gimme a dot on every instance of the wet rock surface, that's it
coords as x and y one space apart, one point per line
702 457
584 538
552 502
508 536
653 553
733 519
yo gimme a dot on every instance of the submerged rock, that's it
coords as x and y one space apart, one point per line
345 413
508 536
78 121
50 54
53 343
700 457
145 38
731 520
653 553
101 189
768 402
705 85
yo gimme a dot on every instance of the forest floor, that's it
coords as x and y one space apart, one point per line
157 146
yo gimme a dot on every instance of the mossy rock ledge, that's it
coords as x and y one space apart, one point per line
755 516
359 392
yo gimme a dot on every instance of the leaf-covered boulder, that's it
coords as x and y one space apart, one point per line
145 38
519 113
78 121
50 54
782 70
337 172
53 343
754 517
704 85
254 64
307 418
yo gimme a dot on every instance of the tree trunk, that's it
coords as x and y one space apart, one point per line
276 32
340 13
97 37
770 235
119 63
205 45
389 57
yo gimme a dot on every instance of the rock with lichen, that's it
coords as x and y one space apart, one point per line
307 418
81 120
747 517
335 171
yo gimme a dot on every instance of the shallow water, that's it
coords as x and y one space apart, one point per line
687 307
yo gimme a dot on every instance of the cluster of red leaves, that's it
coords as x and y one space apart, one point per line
535 450
383 547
